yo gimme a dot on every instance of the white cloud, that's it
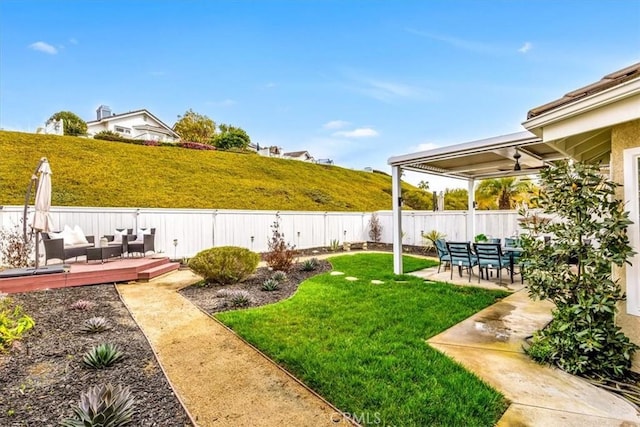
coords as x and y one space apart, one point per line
388 90
469 45
270 85
356 133
335 124
525 47
73 41
43 47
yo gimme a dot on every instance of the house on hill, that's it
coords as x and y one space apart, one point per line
138 124
299 155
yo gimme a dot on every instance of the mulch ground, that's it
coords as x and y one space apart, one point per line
43 375
208 299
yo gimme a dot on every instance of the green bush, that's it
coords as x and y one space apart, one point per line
225 265
13 322
574 271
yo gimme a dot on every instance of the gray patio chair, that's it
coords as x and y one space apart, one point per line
462 256
490 257
443 254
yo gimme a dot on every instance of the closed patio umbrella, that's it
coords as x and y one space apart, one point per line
42 217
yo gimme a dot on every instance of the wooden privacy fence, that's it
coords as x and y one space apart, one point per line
196 229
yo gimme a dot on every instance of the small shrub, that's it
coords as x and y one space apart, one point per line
281 254
82 304
195 145
279 276
95 325
104 406
480 238
270 285
237 297
429 238
13 322
334 245
14 250
225 265
375 228
310 264
102 356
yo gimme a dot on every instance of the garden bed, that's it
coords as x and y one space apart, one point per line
43 375
206 297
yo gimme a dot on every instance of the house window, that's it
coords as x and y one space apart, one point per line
632 198
124 130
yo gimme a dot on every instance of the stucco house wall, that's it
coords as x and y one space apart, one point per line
135 125
624 136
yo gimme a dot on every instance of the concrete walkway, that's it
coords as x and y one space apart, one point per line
221 380
489 344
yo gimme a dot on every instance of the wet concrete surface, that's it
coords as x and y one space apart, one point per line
490 344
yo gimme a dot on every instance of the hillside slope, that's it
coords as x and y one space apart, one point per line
88 172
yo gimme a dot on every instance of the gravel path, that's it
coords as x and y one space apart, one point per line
221 380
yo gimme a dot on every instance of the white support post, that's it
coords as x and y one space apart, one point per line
396 193
471 212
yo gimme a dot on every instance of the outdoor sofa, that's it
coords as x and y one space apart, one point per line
55 247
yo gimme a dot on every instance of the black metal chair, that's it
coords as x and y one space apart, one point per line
462 256
490 257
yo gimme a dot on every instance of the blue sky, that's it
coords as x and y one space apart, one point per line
354 81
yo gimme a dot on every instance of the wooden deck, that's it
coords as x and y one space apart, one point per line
92 273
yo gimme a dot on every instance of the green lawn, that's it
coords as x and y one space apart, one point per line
362 346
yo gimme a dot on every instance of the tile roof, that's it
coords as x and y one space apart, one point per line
610 80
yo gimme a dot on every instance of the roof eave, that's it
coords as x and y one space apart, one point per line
580 106
478 146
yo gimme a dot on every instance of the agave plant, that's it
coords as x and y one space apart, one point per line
95 325
279 276
103 406
102 356
239 298
82 304
310 264
270 285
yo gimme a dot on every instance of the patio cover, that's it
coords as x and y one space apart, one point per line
491 158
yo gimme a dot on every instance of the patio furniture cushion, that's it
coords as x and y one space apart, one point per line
78 236
118 233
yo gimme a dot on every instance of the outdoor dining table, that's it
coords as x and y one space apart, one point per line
512 251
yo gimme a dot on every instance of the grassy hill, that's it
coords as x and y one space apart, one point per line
88 172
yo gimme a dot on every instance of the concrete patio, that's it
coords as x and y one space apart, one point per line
490 344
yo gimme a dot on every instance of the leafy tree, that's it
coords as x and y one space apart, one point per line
195 127
231 137
456 199
423 185
500 192
73 125
574 271
417 199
